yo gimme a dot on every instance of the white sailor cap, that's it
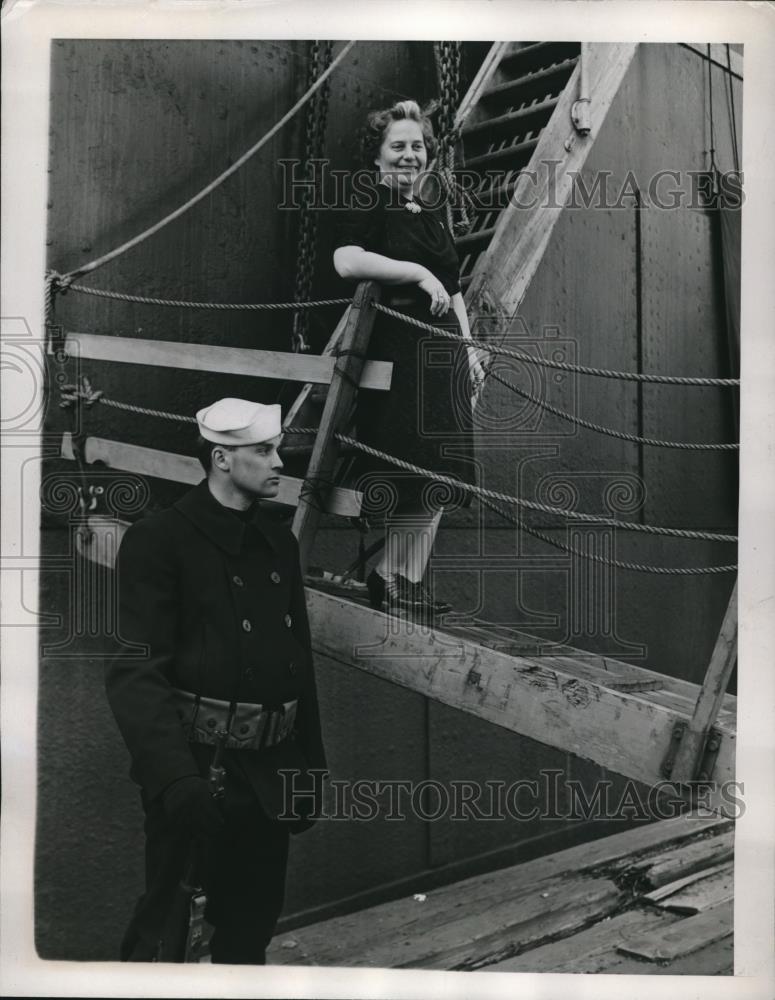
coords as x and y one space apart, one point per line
238 421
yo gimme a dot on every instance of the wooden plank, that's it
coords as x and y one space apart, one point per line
657 895
502 275
223 360
683 937
696 856
715 888
710 699
459 938
185 469
716 959
594 950
662 689
334 941
471 942
481 81
293 416
622 731
338 406
581 951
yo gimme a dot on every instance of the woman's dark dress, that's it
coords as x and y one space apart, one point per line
425 418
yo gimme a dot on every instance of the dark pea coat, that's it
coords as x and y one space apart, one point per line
217 606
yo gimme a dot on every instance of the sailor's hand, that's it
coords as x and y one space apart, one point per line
437 292
189 805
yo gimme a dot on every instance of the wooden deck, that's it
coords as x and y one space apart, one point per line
656 899
616 714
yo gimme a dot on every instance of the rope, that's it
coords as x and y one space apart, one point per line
315 128
450 481
182 304
146 411
561 365
610 431
732 115
99 261
606 560
530 504
713 167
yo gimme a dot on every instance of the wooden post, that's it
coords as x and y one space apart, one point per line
341 397
709 699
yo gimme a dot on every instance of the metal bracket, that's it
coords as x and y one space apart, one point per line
707 759
709 754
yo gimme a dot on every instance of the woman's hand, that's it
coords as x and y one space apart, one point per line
437 292
476 369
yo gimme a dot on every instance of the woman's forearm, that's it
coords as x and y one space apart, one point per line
459 308
363 265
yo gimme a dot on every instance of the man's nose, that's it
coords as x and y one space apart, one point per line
277 462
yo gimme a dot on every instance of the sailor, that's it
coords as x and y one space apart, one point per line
212 600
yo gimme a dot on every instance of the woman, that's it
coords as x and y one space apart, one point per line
426 418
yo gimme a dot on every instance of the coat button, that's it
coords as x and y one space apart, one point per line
238 581
288 621
246 626
292 667
274 576
249 673
244 729
211 723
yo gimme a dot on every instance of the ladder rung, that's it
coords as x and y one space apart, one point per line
474 239
526 86
505 123
520 150
539 55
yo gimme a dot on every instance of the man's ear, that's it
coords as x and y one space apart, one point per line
220 458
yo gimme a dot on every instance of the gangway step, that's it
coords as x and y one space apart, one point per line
530 85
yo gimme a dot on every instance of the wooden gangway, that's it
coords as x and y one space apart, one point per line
654 899
619 715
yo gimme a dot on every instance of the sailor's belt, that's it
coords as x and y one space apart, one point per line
247 726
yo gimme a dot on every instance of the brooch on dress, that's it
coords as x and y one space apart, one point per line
412 206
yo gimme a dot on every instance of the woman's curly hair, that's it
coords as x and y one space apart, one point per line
378 122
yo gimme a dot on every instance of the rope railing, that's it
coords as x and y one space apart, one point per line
485 496
479 491
550 363
451 481
186 304
605 560
610 431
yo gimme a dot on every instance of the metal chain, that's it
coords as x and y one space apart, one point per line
605 560
183 304
610 431
561 365
315 128
458 201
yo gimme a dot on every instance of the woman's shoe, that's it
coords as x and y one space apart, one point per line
384 593
420 597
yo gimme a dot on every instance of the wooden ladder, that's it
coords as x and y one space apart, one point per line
519 135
